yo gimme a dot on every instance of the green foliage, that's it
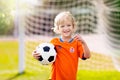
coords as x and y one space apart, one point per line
6 19
6 24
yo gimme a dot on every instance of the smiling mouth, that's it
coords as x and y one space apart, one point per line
66 31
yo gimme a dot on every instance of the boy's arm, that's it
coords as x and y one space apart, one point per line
86 52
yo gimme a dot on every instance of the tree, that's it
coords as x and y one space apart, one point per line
6 20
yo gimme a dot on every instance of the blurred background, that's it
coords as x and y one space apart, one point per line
24 24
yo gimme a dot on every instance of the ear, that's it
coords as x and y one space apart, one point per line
74 27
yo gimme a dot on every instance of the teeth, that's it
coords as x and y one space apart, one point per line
66 31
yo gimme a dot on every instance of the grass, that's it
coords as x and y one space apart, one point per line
8 54
35 71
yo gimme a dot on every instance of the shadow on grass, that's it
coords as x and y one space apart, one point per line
15 76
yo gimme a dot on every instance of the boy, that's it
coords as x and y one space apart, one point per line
68 48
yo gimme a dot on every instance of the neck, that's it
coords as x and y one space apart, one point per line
66 38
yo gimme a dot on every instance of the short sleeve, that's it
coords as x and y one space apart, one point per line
80 49
54 41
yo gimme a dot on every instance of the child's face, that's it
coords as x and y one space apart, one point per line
66 28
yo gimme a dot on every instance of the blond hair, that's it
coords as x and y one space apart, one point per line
60 19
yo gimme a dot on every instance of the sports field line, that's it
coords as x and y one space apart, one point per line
8 71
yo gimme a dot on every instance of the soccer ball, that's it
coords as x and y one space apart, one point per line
47 53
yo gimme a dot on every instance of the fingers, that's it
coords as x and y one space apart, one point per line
78 37
34 52
35 55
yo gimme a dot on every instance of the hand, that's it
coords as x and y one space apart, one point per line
78 37
36 55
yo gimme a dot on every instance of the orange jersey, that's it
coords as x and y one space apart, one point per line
66 63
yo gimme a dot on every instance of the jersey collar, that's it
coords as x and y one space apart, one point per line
61 40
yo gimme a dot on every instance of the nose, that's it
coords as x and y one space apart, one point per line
65 28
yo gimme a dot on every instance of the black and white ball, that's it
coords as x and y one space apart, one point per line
47 53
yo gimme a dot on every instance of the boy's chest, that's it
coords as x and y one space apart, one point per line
67 49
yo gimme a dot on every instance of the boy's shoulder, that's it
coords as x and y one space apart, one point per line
54 40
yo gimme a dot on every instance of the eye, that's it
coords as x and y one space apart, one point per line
61 26
68 25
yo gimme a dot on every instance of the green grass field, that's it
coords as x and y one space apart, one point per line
9 67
